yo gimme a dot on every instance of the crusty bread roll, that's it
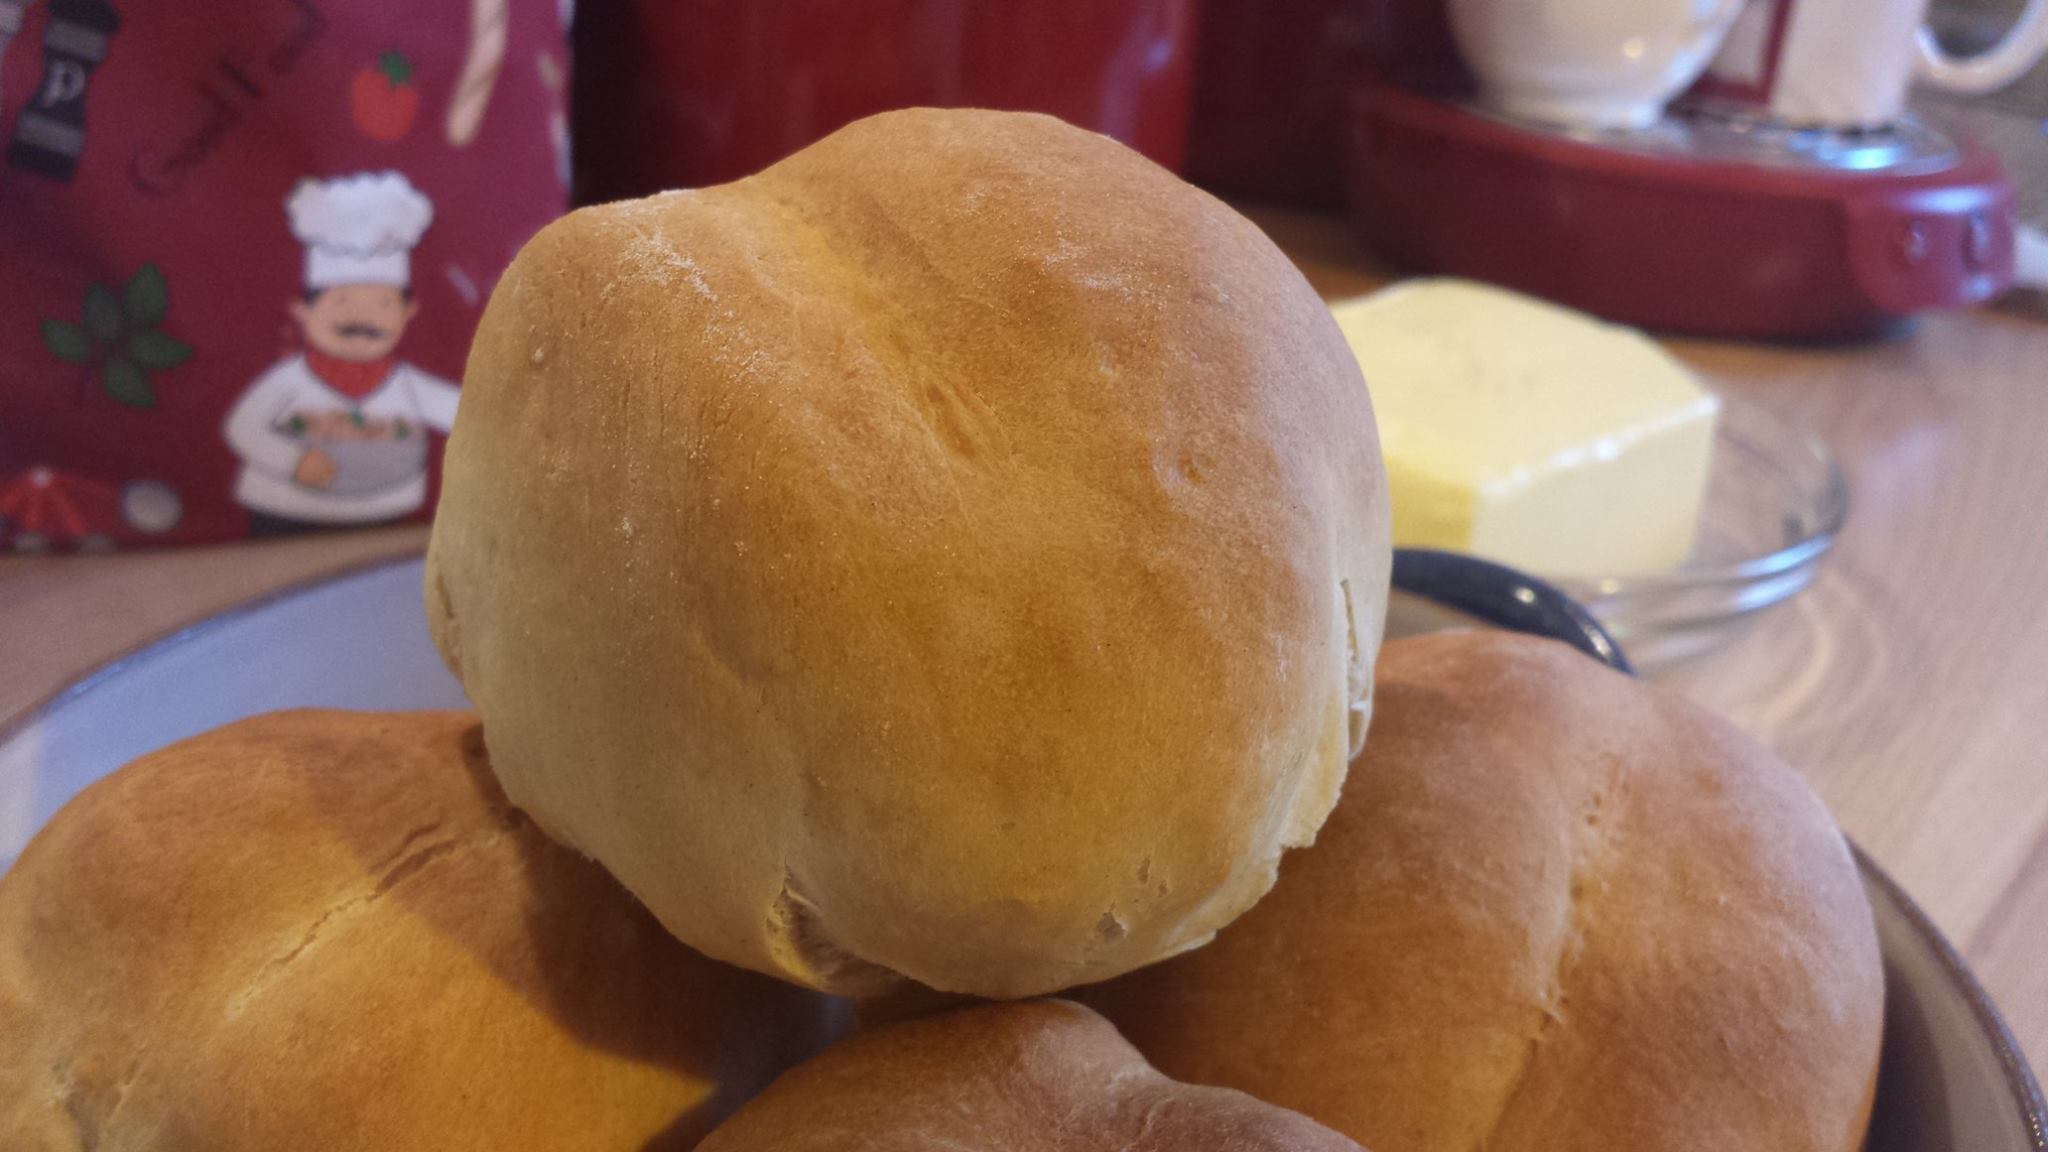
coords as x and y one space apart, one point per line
328 931
1556 909
1040 1076
956 552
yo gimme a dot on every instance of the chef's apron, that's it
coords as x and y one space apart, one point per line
146 261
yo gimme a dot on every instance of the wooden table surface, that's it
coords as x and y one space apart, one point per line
1910 683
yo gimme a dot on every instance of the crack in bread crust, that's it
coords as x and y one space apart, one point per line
795 930
409 860
1599 840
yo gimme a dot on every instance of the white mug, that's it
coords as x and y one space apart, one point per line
1848 63
1588 63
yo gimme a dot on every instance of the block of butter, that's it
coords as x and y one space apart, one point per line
1531 434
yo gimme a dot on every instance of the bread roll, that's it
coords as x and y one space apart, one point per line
1556 909
1042 1076
956 552
322 930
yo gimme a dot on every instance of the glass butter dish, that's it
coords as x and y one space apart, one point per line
1775 502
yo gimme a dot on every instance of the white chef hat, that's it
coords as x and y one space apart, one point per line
358 229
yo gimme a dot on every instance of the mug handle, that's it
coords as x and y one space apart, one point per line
1994 68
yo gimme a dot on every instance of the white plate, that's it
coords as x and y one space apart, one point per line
1952 1081
358 640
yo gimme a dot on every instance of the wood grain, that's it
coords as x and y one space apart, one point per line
1910 683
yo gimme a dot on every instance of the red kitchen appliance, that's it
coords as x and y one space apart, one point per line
1270 83
1701 224
681 93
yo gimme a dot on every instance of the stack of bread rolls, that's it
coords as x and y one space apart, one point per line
947 567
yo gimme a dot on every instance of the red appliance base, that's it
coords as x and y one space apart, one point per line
1675 242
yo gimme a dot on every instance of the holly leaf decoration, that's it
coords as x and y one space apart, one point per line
102 314
67 341
146 298
395 67
127 383
154 351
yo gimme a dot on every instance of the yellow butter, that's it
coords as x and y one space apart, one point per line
1531 434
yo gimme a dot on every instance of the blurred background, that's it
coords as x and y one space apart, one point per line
201 218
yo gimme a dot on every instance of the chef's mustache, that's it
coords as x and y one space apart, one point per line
366 331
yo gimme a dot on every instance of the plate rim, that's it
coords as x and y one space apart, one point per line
179 635
2019 1075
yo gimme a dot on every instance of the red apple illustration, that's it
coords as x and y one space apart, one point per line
384 100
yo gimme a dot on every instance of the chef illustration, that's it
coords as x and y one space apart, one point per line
338 434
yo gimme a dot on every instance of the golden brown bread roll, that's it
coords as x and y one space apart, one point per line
957 552
1556 909
322 930
1039 1076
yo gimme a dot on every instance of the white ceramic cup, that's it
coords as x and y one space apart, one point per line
1588 63
1848 63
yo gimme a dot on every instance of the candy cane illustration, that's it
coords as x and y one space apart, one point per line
479 70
